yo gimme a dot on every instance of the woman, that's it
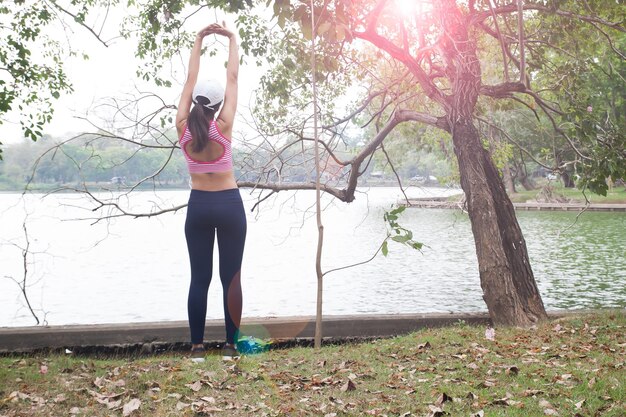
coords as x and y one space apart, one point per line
215 205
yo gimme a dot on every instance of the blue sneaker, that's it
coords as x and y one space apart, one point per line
251 345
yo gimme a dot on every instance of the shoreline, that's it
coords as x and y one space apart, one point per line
148 336
527 206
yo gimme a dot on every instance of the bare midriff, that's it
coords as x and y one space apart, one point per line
215 181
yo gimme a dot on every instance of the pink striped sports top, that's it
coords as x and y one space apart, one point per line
222 164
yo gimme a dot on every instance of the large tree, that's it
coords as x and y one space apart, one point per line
402 65
435 49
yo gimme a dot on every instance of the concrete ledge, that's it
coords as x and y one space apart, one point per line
27 339
24 339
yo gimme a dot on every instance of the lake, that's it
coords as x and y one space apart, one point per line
135 270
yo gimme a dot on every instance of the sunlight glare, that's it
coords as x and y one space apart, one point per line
412 8
406 7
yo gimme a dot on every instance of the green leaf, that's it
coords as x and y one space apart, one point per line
400 239
385 249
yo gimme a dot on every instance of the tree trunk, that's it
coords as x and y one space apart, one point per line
568 182
507 280
522 175
526 182
508 179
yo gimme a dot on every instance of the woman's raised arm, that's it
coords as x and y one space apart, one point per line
226 117
184 105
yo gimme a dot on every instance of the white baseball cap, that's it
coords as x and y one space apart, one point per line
209 89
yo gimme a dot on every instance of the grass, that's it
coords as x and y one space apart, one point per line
615 196
568 367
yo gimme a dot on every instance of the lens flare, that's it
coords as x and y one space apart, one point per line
411 8
406 7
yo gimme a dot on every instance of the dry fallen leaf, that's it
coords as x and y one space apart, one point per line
195 387
181 406
99 382
532 392
490 333
131 406
442 399
512 370
545 404
199 407
348 386
112 405
118 383
436 411
487 383
426 345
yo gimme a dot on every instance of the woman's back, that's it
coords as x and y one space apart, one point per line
211 168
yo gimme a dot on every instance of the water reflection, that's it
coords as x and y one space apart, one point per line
578 261
137 269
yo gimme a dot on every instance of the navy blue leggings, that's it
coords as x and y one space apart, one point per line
209 212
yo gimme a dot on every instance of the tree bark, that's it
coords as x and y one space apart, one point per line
568 181
522 173
526 182
506 277
508 179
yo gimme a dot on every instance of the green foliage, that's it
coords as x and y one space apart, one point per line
31 80
576 66
285 94
569 59
396 232
606 155
590 89
157 27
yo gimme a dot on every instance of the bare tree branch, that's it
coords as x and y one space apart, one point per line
522 52
79 21
358 263
412 64
340 194
406 198
23 285
500 39
511 8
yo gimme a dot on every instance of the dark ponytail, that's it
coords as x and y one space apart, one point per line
198 123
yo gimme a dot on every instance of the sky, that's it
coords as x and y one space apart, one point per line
110 72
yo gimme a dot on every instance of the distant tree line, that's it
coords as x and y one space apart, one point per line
103 163
50 162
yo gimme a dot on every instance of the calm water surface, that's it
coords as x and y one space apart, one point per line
131 270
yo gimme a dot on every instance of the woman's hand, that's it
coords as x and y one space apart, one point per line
216 29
